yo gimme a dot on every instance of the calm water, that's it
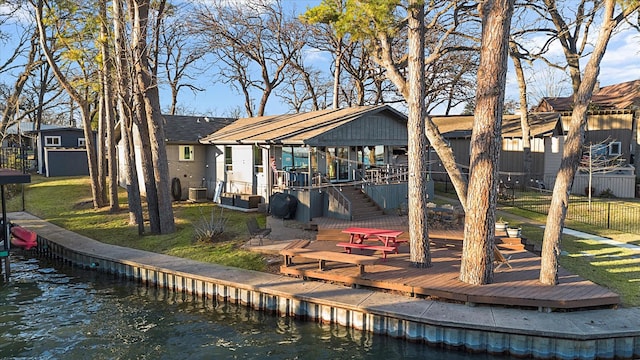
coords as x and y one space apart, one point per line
48 311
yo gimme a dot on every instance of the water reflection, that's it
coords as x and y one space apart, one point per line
52 312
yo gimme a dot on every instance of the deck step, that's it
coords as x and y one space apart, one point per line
362 207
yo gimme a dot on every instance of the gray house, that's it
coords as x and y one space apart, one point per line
189 168
315 157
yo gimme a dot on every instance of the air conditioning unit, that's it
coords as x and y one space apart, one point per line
197 194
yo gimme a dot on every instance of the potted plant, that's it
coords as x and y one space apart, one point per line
514 232
501 225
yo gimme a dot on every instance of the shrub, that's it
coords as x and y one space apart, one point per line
210 230
607 193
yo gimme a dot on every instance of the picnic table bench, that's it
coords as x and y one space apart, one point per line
358 236
324 256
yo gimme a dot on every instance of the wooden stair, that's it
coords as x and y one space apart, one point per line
362 207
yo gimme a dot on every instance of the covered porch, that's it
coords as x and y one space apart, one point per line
315 157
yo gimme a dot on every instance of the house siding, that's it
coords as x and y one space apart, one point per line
66 162
69 141
553 157
369 130
190 173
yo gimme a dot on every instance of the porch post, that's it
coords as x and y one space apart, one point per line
272 168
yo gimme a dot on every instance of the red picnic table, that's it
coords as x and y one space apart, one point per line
358 236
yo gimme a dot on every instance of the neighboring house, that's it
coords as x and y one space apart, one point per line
546 132
612 131
187 158
309 155
61 151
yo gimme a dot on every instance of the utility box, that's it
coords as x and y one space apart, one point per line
197 194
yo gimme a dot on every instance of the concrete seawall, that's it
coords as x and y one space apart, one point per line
590 334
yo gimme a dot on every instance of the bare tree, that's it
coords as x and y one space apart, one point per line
257 37
303 88
516 58
595 159
12 101
179 54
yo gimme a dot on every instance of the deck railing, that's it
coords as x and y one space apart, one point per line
336 193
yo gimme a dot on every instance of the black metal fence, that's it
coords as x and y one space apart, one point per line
612 214
16 158
605 213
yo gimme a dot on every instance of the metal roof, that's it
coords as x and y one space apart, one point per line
300 128
542 124
10 176
623 96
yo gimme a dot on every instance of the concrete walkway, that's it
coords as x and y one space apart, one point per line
589 334
600 239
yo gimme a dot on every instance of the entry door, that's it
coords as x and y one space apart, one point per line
338 163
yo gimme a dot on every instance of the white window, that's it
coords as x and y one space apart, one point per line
52 141
81 142
186 152
228 158
615 148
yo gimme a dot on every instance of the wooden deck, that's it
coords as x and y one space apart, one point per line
517 286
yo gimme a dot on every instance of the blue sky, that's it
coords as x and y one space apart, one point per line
619 64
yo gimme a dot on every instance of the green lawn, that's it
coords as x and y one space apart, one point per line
66 202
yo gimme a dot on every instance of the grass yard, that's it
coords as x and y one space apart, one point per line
66 202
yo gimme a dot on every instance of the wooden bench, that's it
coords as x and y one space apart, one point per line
384 249
324 256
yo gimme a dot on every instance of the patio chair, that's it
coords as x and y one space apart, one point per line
499 258
256 231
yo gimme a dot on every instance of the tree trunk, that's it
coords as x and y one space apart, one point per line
101 159
420 255
524 115
477 251
149 90
134 200
573 151
336 75
445 153
92 160
126 119
111 168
